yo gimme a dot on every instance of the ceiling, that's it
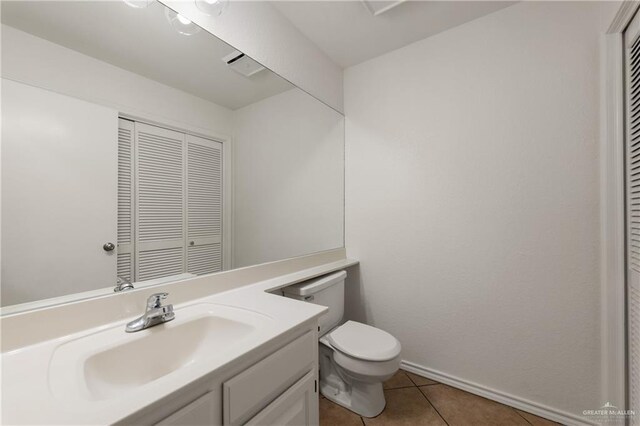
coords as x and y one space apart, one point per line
142 41
350 34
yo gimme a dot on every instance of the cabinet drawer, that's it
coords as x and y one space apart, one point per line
250 391
199 412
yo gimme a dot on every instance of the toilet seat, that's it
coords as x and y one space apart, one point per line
364 342
355 359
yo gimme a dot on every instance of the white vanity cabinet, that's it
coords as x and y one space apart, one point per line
279 389
249 395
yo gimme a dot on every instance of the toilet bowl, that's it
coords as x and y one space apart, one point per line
355 358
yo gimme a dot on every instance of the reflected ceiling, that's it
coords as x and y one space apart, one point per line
142 41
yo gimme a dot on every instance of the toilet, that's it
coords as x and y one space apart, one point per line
355 358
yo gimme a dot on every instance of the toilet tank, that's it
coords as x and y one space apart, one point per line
327 290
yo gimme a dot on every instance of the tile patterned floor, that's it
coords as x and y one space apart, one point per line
414 400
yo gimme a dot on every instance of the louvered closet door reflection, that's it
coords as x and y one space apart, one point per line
125 199
204 205
632 50
160 221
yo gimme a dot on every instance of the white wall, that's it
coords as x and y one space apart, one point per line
260 31
38 62
473 201
289 178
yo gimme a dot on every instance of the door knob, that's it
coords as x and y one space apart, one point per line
109 246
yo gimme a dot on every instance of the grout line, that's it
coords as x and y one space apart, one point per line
362 420
401 387
417 385
434 407
410 379
518 413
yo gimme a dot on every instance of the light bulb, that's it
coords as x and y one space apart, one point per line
212 7
183 20
181 24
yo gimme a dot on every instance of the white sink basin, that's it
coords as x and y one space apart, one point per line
112 363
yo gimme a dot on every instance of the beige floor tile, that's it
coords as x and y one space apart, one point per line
332 414
399 380
535 420
406 407
460 408
419 380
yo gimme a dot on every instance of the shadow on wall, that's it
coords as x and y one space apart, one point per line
354 302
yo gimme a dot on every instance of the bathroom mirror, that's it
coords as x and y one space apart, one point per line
137 147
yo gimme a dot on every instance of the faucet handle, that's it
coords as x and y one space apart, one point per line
155 300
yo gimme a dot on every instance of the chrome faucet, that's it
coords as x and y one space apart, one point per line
122 284
155 313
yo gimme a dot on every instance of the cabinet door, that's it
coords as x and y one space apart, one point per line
199 412
297 406
250 391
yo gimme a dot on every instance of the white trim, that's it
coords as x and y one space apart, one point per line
612 210
504 398
234 158
228 204
612 232
623 16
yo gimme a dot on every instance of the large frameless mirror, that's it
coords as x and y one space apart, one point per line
138 148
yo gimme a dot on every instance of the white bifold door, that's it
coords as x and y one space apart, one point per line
169 202
632 54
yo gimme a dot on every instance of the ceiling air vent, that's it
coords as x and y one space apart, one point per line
242 64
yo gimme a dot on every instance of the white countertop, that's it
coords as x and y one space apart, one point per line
26 394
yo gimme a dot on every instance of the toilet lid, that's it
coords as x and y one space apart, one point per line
364 342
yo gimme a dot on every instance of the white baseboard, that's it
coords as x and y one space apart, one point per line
501 397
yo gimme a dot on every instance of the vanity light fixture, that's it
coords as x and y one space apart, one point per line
181 24
138 4
212 7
